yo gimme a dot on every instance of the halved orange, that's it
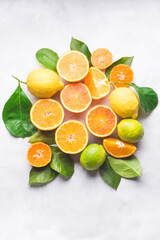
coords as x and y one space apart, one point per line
71 137
39 154
121 73
101 121
46 114
101 58
73 66
97 83
76 97
118 148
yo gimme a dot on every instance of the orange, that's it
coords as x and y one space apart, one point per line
46 114
39 154
73 66
121 73
101 121
76 97
118 148
71 137
97 83
101 58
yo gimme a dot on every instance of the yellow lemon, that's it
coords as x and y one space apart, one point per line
44 83
124 102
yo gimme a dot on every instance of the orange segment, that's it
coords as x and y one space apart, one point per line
97 83
118 148
101 58
46 114
71 137
73 66
39 154
121 73
101 121
76 97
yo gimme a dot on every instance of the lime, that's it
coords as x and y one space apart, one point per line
130 130
124 102
44 83
93 157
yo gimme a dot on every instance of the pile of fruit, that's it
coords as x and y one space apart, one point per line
81 77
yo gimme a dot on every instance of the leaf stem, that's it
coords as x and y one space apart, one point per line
19 80
122 83
114 85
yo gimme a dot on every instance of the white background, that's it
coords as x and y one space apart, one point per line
84 207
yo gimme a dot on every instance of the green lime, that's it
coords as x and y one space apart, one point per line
130 130
93 157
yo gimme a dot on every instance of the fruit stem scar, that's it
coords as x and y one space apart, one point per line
19 80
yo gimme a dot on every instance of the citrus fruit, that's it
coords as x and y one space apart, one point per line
101 121
118 148
92 157
101 58
97 83
44 83
124 102
73 66
39 154
71 137
76 97
46 114
130 130
121 73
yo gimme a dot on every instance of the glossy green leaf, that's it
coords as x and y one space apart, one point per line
81 47
109 175
128 168
61 162
16 114
42 175
47 137
123 60
48 58
147 96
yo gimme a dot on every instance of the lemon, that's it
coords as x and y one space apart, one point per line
130 130
124 102
93 157
44 83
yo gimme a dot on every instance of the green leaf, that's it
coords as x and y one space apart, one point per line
123 60
16 114
109 175
47 137
81 47
61 162
127 168
48 58
147 96
42 175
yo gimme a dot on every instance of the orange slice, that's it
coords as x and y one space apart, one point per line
39 154
76 97
121 73
101 58
73 66
46 114
71 137
101 121
97 83
118 148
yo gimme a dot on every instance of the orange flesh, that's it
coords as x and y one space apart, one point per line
39 154
121 73
73 66
118 148
101 58
101 121
76 97
46 114
72 137
97 83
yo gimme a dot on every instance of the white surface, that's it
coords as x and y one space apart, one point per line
84 207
